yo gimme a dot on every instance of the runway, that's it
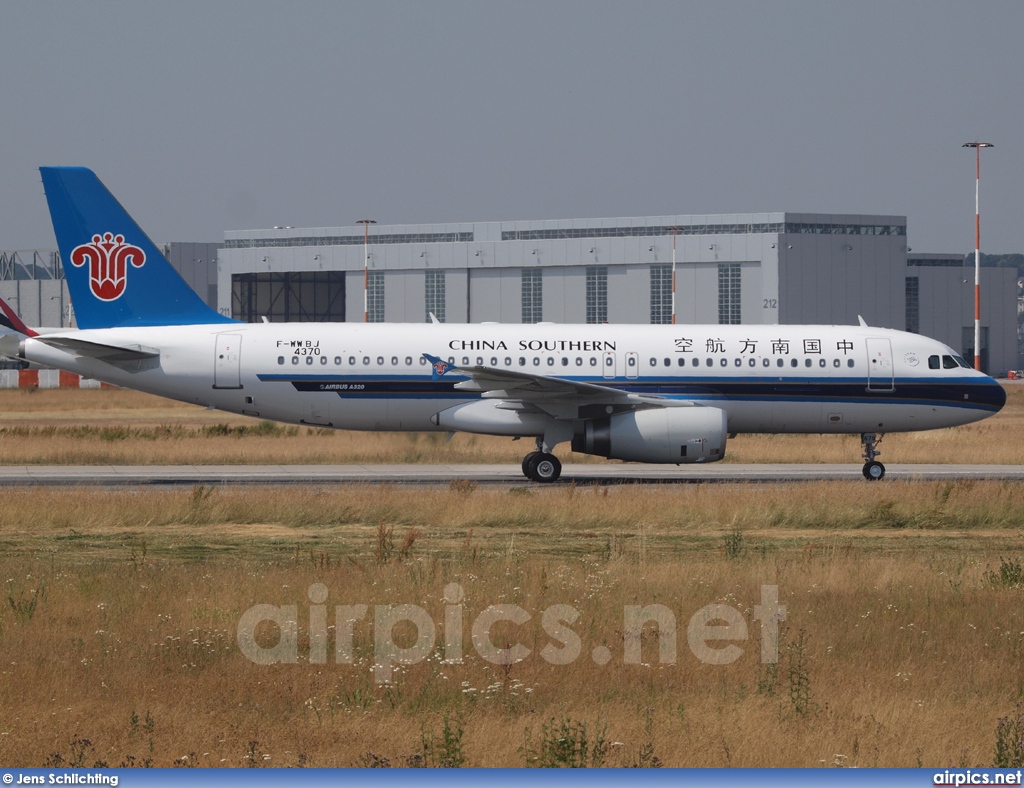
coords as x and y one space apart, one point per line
507 475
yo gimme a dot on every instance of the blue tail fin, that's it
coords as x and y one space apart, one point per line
116 275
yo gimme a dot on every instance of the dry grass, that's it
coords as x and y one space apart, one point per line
119 619
106 426
910 652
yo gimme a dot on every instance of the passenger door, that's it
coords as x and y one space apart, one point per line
227 362
880 366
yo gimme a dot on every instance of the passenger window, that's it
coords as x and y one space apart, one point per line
780 363
668 362
766 363
807 362
948 362
280 359
835 363
565 362
309 360
793 362
821 362
933 362
394 361
710 362
753 362
423 361
551 361
323 360
494 362
465 361
739 362
380 361
654 362
522 361
408 361
536 361
593 361
337 361
682 362
352 361
479 361
508 361
849 362
366 361
725 362
696 362
295 359
579 361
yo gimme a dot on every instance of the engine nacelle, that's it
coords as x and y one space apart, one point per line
676 435
485 417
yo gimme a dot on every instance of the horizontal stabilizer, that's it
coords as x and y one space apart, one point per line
127 357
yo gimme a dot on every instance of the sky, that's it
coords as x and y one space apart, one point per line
218 115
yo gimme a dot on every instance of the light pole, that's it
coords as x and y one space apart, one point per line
366 267
675 231
977 248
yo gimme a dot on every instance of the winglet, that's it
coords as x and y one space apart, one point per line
438 366
862 321
9 319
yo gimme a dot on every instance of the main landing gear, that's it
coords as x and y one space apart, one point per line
541 466
873 470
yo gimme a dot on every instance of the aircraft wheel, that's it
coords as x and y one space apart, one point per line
546 468
528 460
873 471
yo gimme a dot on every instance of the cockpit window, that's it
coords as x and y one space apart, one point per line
948 362
962 363
933 362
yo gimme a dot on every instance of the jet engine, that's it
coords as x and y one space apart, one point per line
676 435
489 418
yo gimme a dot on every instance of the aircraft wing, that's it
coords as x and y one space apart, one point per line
559 397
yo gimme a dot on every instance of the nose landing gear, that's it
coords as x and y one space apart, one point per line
873 470
541 466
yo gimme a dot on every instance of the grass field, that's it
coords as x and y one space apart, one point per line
902 642
112 426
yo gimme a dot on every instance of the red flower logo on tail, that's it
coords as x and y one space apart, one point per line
108 257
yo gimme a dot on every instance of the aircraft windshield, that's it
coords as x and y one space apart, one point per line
947 362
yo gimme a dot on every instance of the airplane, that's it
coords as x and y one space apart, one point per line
650 393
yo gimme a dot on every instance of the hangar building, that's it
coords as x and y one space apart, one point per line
748 268
745 268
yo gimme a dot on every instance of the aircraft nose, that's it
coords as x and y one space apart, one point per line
994 394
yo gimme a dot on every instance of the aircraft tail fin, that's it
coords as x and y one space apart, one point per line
115 273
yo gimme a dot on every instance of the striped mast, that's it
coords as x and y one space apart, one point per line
977 247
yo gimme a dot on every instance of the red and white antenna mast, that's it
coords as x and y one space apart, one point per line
977 248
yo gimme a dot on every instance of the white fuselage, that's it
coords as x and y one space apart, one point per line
798 379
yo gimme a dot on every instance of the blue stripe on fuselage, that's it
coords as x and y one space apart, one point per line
960 392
